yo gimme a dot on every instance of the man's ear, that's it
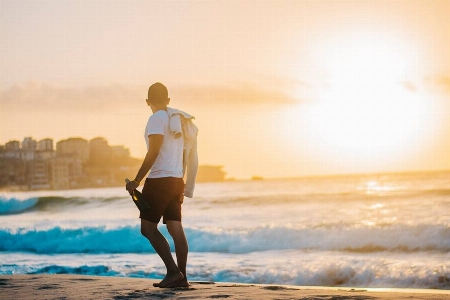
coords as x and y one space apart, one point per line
148 102
168 101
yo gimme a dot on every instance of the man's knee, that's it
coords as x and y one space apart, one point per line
175 229
148 229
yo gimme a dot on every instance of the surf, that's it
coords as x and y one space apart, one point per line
395 238
15 205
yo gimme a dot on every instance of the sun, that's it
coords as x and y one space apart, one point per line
363 111
368 123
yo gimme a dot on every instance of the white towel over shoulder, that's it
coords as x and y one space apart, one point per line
181 125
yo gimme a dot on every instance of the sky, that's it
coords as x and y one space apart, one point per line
278 88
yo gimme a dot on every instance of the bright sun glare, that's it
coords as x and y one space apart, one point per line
364 111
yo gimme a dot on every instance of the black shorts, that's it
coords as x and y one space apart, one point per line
164 196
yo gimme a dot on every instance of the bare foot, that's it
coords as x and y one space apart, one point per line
182 283
170 280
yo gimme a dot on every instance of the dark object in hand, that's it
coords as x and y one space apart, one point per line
138 199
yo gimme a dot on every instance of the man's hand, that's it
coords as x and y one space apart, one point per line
131 186
155 141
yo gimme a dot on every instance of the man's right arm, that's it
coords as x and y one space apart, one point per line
155 143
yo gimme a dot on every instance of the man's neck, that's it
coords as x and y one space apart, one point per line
158 108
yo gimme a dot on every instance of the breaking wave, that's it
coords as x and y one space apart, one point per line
399 238
9 206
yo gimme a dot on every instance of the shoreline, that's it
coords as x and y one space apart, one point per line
48 286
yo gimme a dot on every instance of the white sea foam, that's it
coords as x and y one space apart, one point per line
293 267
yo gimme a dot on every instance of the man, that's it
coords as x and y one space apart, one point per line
163 188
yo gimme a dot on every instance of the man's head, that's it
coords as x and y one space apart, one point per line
158 96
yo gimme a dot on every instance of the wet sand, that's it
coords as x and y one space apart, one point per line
61 287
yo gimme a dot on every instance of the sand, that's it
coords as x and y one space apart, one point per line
61 287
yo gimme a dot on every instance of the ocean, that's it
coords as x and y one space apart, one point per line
385 230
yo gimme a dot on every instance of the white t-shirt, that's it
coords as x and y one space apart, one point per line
169 162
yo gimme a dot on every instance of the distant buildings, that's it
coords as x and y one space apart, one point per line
45 145
75 163
73 147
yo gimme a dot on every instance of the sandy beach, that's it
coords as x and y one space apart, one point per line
102 287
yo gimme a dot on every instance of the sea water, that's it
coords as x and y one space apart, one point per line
388 230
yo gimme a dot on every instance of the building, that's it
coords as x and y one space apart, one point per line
100 153
38 174
28 150
28 144
11 150
45 155
60 170
13 172
45 150
45 145
73 147
120 151
12 146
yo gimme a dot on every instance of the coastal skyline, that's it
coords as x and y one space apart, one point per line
73 163
278 88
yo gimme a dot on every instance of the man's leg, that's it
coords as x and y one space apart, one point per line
176 230
159 243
